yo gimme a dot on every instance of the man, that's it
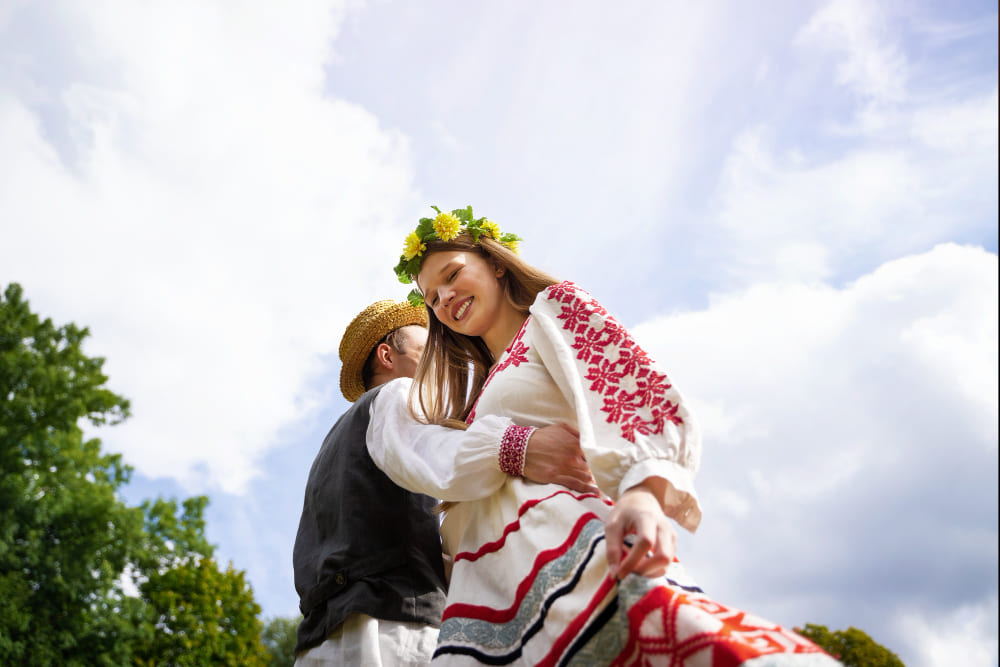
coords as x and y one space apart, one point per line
367 558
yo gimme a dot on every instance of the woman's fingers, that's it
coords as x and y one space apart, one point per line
653 540
634 556
628 518
658 558
614 541
648 558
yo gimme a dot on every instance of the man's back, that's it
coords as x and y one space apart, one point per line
364 544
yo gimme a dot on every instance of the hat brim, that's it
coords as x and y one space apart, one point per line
366 329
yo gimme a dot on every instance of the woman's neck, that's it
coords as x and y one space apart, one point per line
502 333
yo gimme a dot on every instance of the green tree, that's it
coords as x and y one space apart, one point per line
202 616
64 535
852 647
172 538
280 634
84 578
199 614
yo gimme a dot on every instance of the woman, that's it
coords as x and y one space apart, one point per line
531 582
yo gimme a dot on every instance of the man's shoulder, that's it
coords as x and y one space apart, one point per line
392 392
365 400
389 395
396 385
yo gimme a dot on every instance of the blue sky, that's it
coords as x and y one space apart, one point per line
794 210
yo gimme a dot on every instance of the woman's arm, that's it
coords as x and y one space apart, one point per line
634 425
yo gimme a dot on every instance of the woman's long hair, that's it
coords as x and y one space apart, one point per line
454 367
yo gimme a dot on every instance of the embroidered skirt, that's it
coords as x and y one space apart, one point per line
525 598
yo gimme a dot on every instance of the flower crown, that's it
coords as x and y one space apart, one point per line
445 227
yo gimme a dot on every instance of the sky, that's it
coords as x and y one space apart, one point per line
793 207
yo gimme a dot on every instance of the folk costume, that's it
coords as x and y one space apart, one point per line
530 584
367 558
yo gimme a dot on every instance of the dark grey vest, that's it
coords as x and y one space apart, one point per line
364 544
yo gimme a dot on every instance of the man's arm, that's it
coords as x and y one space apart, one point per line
456 465
554 456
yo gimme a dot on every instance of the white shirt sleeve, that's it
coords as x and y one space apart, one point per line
445 463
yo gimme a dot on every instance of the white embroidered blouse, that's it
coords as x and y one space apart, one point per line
571 362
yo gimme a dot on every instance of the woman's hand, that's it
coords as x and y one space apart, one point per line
638 513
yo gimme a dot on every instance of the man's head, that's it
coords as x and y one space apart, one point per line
395 356
382 342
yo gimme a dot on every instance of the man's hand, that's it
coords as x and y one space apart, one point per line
553 456
638 514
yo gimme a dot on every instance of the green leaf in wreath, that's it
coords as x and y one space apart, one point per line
425 229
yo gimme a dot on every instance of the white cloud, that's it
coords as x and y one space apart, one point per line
911 166
872 65
210 214
856 468
965 636
781 217
966 126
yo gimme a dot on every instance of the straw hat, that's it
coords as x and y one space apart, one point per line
366 329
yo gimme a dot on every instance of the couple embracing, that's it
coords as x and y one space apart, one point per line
563 457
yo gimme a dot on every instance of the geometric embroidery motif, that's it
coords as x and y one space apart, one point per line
666 622
516 354
634 395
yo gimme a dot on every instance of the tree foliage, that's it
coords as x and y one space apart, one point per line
202 616
279 639
64 536
84 578
852 647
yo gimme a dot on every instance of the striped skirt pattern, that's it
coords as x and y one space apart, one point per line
528 596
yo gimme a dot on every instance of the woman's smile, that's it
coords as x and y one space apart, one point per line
461 308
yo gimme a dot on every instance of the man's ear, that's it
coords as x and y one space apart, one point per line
383 353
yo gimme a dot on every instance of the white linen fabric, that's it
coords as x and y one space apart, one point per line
440 462
363 640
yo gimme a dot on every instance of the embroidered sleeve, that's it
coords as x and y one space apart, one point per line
633 423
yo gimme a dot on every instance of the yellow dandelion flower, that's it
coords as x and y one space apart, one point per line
447 226
491 228
513 246
412 246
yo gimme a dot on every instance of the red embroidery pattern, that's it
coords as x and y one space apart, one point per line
634 395
515 355
512 447
660 624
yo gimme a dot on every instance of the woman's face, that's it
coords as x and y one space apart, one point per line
463 290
